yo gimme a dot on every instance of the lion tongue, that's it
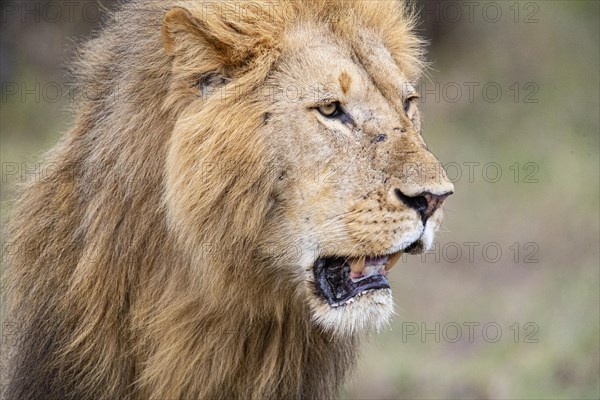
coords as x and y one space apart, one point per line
357 265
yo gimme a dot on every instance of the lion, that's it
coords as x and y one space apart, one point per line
221 219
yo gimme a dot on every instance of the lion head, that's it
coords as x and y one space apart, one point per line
298 148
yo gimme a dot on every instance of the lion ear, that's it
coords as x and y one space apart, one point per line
182 29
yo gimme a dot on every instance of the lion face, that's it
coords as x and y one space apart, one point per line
326 180
357 185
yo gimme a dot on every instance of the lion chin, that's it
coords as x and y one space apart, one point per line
370 310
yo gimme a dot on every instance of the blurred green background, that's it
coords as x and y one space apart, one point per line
507 303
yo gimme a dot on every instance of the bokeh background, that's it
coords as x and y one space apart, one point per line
506 305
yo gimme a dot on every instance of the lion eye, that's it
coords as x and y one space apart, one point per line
330 110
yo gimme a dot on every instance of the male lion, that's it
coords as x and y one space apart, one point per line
220 219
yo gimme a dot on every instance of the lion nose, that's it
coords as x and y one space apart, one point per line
425 203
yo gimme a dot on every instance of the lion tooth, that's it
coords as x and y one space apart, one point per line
357 265
392 260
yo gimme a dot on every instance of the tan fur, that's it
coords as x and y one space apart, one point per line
168 255
345 82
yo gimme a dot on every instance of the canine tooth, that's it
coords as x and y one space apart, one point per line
357 265
392 260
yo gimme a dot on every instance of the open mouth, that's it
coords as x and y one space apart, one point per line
340 279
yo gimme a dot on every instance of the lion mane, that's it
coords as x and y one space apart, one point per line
133 270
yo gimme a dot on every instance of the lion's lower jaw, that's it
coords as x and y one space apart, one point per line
370 311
